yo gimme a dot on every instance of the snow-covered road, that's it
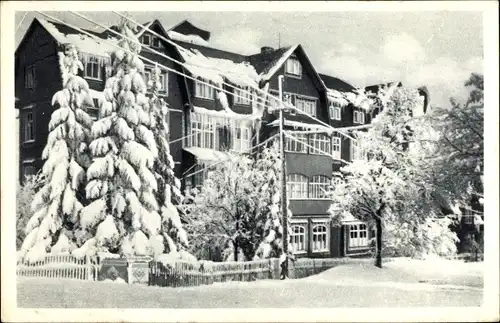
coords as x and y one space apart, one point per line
399 284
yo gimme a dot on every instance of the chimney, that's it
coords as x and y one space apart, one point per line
266 49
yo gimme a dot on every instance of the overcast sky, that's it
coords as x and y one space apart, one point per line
436 49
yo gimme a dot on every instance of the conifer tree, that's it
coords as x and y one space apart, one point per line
168 185
123 215
58 202
269 215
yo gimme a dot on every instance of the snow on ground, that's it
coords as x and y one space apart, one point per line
352 285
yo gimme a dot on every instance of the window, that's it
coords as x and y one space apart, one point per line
359 117
28 168
148 77
468 219
164 82
298 238
213 132
287 100
321 144
146 40
320 237
188 184
319 188
156 42
335 112
336 146
30 77
298 145
242 140
93 68
358 236
202 131
306 105
28 126
293 67
203 91
242 96
356 150
93 112
297 186
200 175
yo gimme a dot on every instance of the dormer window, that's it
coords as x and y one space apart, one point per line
93 68
156 42
242 96
163 80
203 91
358 117
146 40
335 112
293 67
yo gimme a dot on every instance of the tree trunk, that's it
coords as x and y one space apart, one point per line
378 256
236 240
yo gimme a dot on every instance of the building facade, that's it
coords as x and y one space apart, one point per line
214 106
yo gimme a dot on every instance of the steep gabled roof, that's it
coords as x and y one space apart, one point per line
64 34
187 28
55 29
336 83
264 62
269 63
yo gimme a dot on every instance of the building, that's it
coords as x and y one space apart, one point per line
206 121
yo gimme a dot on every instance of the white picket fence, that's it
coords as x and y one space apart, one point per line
59 266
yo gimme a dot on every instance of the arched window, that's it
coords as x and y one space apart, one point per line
297 186
319 187
298 238
320 237
358 236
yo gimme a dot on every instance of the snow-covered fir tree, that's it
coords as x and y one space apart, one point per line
123 214
390 185
24 197
174 235
268 215
58 202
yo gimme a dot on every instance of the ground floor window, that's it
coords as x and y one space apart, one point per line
358 235
28 168
320 237
298 238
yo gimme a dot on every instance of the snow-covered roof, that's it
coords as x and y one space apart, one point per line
356 98
217 69
349 218
206 155
193 39
227 113
276 66
291 123
83 43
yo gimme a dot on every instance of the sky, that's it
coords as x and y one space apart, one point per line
438 49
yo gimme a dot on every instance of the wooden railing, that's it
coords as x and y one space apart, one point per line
183 274
59 266
180 274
